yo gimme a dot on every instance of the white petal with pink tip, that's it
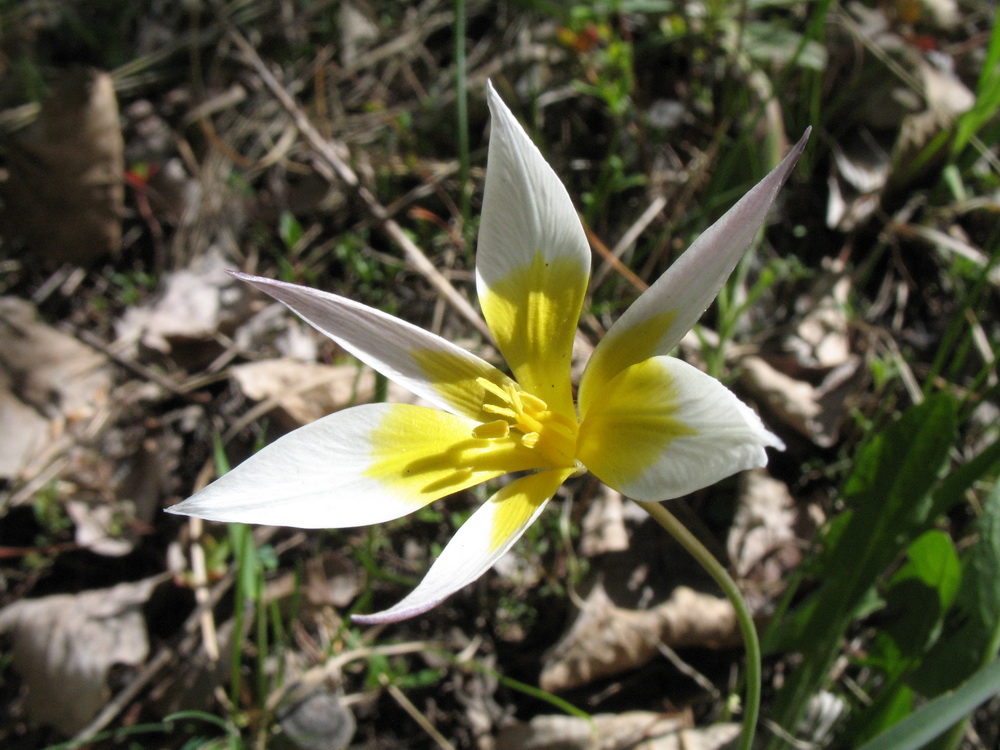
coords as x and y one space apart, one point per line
428 365
673 304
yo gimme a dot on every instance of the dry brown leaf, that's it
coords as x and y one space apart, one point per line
810 388
631 730
23 433
859 172
50 370
793 401
814 411
48 379
65 192
603 527
331 580
946 98
606 640
905 103
357 32
763 543
196 303
821 339
96 527
64 646
306 391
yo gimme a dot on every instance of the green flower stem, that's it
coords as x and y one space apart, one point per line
678 531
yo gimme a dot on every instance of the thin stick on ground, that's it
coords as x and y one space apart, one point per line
415 714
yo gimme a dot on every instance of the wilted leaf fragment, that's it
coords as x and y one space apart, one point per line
23 432
195 304
631 730
47 379
306 391
64 645
814 411
607 640
763 537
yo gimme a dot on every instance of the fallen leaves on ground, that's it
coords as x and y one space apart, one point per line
631 730
607 640
50 384
64 647
306 391
195 304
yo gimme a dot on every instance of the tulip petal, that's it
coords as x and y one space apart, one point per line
533 262
662 428
364 465
428 365
673 304
478 544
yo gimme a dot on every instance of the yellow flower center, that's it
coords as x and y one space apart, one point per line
550 433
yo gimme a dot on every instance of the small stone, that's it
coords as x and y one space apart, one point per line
317 722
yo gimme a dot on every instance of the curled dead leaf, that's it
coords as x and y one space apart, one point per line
357 32
23 433
603 527
821 338
606 640
768 534
331 580
195 304
814 411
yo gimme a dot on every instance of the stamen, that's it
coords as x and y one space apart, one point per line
493 388
502 411
492 430
533 403
515 400
552 433
528 423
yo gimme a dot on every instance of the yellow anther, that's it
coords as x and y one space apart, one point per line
528 423
533 403
500 410
492 430
551 433
498 391
514 397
